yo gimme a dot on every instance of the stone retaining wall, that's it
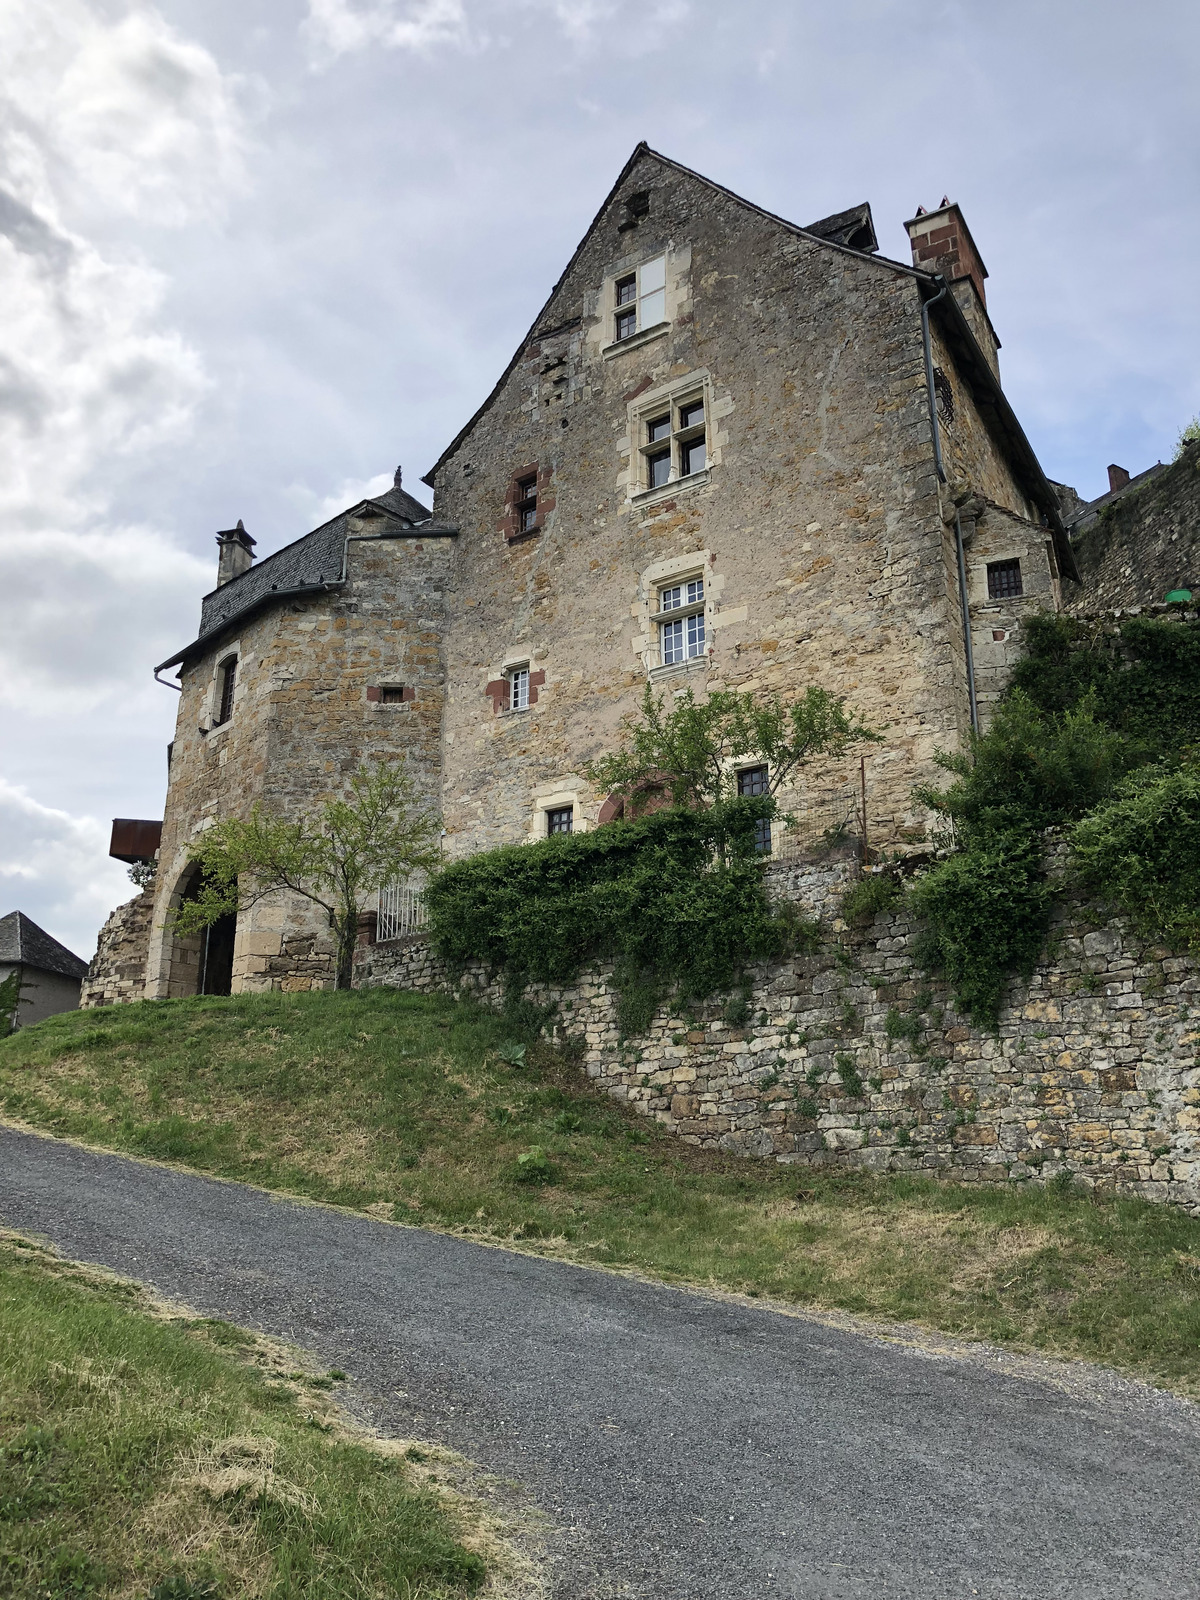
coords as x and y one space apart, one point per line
852 1058
117 973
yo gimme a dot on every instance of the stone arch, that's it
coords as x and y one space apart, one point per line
200 963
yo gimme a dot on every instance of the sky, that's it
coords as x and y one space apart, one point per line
256 253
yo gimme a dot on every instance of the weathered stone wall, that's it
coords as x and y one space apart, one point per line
1144 544
852 1058
117 973
307 714
818 524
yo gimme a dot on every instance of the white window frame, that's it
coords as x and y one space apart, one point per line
685 617
518 686
648 302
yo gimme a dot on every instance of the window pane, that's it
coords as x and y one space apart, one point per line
659 469
670 599
695 591
691 457
518 698
672 642
626 324
691 416
654 308
752 780
654 274
695 635
626 291
660 428
561 820
527 489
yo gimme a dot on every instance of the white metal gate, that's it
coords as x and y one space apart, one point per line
401 911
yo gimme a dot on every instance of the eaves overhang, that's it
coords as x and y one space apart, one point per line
999 418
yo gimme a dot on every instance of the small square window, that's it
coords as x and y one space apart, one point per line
1004 579
518 689
391 694
560 820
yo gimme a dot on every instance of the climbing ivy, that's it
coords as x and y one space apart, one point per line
675 900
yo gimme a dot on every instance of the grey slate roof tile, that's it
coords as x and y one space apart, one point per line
22 940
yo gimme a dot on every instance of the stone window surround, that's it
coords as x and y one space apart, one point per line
567 791
510 521
641 408
609 344
601 304
209 726
375 694
662 575
498 688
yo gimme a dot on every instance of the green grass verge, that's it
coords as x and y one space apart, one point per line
144 1454
404 1105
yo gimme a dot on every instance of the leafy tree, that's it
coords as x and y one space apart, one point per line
689 747
10 1000
351 847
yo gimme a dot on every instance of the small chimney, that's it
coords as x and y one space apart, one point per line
941 242
237 553
1117 478
396 479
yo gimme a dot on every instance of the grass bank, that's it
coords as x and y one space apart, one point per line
150 1455
419 1109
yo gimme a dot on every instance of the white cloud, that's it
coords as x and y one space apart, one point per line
54 867
419 25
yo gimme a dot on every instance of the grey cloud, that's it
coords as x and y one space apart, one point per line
32 234
22 397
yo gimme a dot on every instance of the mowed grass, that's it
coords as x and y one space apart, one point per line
160 1457
405 1106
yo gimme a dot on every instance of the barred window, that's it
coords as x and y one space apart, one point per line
1004 579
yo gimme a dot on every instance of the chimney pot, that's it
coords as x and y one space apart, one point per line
236 549
1117 477
396 479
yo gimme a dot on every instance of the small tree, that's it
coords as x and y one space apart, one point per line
690 747
350 848
10 1000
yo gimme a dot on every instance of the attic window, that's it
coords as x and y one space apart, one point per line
1004 579
640 299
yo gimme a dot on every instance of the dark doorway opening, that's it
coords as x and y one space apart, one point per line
216 956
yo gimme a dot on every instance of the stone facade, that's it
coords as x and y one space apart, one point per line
820 538
117 972
852 1058
1137 546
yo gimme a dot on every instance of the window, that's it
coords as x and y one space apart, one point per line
527 504
518 689
228 681
681 638
752 781
640 299
391 694
1004 579
675 444
944 395
560 820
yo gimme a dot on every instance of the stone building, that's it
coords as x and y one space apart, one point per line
1139 544
731 451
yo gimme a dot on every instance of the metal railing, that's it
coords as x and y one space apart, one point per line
806 822
401 911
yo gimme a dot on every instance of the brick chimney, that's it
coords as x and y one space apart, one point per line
941 242
1117 478
237 553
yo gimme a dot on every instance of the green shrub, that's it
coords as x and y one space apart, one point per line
534 1166
675 900
1141 850
874 892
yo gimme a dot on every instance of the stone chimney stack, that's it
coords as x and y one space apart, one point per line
237 553
1117 478
941 242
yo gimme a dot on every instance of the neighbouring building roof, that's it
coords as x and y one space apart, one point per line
22 941
309 563
1084 515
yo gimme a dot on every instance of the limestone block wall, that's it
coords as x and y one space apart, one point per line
852 1058
117 973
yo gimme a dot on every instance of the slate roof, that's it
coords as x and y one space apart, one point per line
23 941
1087 513
307 564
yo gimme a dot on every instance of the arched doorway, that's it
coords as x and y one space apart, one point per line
216 956
200 963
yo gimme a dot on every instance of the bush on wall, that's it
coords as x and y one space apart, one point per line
675 900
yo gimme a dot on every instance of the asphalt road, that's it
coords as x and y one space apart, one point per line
684 1447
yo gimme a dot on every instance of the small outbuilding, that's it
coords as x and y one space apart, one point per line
50 974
